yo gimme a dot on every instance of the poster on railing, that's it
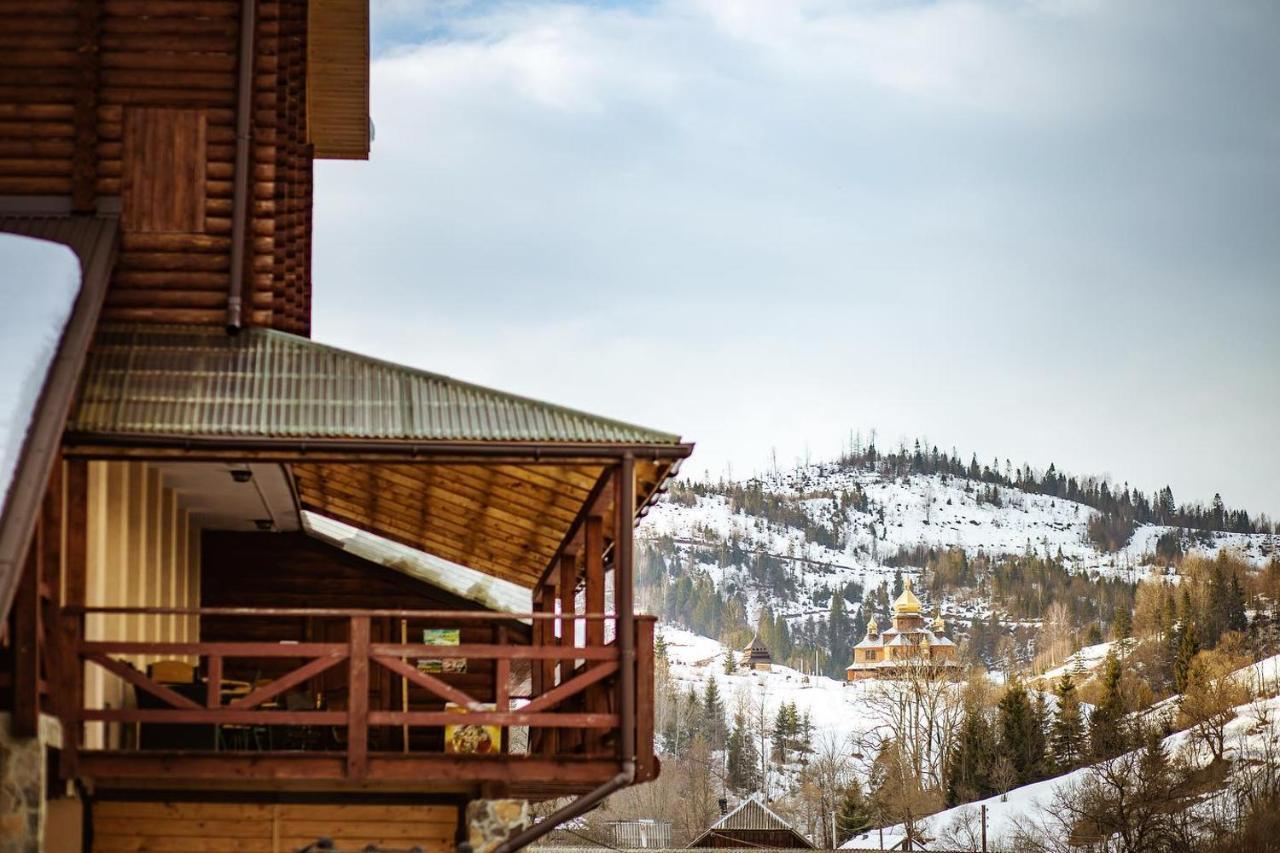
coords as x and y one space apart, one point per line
442 637
466 738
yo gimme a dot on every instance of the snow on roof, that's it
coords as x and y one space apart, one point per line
481 588
34 317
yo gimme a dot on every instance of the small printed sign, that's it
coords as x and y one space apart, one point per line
442 637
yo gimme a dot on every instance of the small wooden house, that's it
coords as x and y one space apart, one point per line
756 656
752 825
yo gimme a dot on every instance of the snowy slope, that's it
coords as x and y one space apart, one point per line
920 510
1028 805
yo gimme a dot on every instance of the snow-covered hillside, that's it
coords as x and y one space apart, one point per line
1256 728
933 511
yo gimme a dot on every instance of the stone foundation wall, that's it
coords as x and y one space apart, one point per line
491 822
22 785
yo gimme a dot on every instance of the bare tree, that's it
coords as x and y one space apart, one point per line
919 710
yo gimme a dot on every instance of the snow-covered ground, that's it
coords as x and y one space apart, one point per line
1080 663
1029 805
834 707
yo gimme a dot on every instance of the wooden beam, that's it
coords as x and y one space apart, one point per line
76 560
588 507
307 671
84 163
415 769
358 700
25 721
137 679
427 682
571 687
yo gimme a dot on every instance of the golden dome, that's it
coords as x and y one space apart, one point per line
907 602
938 625
873 627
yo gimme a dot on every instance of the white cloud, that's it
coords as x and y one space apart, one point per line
1036 229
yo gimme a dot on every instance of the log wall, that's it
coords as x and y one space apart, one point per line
267 827
77 74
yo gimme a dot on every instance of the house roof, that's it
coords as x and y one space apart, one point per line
751 815
509 481
144 379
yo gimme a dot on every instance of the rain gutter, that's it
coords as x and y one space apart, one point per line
240 189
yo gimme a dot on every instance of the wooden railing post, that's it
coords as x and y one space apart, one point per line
569 739
644 697
358 699
213 682
593 602
501 678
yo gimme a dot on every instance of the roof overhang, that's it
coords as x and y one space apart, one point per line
480 478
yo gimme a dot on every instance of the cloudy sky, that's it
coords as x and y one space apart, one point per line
1048 231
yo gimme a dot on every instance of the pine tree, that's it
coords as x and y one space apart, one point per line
839 637
969 764
1066 740
1122 628
730 663
854 815
742 758
1018 739
713 714
1188 645
1107 733
1237 619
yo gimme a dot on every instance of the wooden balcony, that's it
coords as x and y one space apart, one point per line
364 712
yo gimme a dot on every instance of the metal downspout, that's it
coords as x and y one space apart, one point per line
627 683
240 190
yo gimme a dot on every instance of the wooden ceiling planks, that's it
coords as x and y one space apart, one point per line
507 521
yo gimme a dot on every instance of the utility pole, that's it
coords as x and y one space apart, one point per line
984 828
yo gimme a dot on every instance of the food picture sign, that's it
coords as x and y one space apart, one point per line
442 637
470 739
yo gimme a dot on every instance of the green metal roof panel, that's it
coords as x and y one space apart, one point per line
200 381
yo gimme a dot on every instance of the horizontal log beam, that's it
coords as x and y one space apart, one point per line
492 718
229 716
494 652
425 771
226 650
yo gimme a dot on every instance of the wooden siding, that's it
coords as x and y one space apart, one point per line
73 73
258 827
338 90
143 551
164 170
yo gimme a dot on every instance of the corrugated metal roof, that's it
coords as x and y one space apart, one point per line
199 381
751 814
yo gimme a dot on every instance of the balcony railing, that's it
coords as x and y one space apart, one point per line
319 716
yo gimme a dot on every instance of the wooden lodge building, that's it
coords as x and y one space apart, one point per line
256 590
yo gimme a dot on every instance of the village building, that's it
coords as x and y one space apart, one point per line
256 590
910 642
752 825
756 656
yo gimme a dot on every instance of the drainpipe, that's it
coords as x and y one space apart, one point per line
240 189
623 602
